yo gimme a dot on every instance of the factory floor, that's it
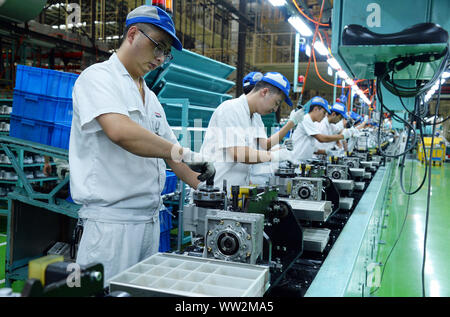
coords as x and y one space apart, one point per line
402 254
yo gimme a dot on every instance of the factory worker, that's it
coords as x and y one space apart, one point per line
260 173
305 135
250 80
328 126
234 125
119 143
358 124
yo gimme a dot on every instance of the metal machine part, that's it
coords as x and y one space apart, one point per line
344 184
335 171
284 184
362 155
283 179
360 186
209 197
307 188
357 172
234 236
315 239
346 203
350 161
310 210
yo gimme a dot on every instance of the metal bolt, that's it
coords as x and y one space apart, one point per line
209 249
221 222
96 276
238 224
209 232
249 237
248 254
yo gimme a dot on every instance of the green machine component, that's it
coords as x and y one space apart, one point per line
200 80
21 11
190 88
385 18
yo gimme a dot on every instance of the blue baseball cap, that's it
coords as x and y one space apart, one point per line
339 108
356 117
156 16
251 79
279 81
317 100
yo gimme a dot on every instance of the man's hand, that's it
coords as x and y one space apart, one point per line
199 163
206 170
297 116
347 133
47 169
281 155
288 144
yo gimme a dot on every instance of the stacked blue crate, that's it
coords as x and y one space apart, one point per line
42 106
165 225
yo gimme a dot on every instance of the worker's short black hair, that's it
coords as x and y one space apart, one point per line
143 26
248 88
272 89
314 106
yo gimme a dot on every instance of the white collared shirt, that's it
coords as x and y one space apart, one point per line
302 139
327 128
102 174
231 126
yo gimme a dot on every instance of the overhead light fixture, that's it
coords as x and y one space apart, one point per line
333 63
330 71
300 26
277 3
342 74
320 48
349 81
308 50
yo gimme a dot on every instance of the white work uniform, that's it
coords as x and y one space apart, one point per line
231 126
120 192
326 128
303 140
260 173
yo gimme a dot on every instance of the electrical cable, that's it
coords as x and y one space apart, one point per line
394 116
429 193
402 166
307 17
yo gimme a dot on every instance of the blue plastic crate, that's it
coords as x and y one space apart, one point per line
171 183
46 82
40 107
165 219
164 242
60 135
165 225
31 130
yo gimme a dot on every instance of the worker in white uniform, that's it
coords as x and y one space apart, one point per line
236 123
358 124
305 135
328 126
119 143
260 173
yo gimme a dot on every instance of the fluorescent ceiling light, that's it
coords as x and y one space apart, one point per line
320 48
308 50
330 71
342 74
333 63
277 3
300 26
446 75
349 81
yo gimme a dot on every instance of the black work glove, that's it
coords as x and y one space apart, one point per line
206 170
